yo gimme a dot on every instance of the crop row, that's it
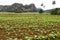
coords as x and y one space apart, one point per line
28 30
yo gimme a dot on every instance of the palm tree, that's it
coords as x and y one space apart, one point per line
42 4
53 2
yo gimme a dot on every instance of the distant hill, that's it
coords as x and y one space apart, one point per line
51 10
48 10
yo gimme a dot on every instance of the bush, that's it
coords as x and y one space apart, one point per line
55 11
41 11
18 11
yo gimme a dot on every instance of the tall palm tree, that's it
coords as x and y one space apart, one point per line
42 4
54 2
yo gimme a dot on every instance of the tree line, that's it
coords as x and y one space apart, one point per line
16 7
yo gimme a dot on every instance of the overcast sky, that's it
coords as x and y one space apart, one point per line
47 3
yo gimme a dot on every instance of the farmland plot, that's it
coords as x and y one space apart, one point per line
29 27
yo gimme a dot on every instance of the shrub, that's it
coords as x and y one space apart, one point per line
41 11
55 11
